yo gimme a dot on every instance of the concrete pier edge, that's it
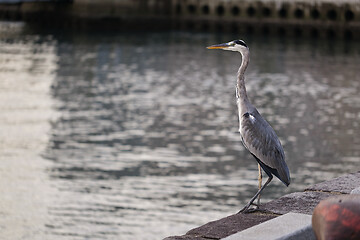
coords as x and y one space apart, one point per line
321 18
288 226
296 203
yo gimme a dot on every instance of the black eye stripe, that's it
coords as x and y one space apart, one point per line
240 42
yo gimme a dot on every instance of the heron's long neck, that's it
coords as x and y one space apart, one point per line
240 84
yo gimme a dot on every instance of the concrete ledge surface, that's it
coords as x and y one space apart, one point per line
288 226
297 202
342 185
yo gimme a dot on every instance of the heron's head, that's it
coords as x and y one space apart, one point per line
236 45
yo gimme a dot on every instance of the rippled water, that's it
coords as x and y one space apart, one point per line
134 135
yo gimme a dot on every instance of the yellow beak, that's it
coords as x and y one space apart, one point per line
219 46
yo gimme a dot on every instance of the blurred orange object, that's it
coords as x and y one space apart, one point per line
337 218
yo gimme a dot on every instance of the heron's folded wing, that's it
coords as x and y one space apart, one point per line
260 139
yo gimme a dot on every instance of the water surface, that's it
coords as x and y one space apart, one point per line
134 135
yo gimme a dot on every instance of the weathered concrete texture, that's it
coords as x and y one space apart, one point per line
344 184
224 227
229 225
289 226
186 237
298 202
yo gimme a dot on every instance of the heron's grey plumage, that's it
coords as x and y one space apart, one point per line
260 139
256 133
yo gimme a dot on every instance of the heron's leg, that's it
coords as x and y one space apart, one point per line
256 195
260 183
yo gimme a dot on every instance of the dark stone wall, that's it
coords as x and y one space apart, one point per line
299 18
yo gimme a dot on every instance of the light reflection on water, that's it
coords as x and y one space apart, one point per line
141 139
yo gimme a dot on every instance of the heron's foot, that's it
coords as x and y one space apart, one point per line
247 208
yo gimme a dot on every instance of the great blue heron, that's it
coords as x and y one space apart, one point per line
256 133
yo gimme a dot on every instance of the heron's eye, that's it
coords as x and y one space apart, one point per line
240 42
